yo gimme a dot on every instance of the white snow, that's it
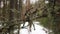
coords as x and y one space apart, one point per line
39 30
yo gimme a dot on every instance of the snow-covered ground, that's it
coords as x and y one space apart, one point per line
39 29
